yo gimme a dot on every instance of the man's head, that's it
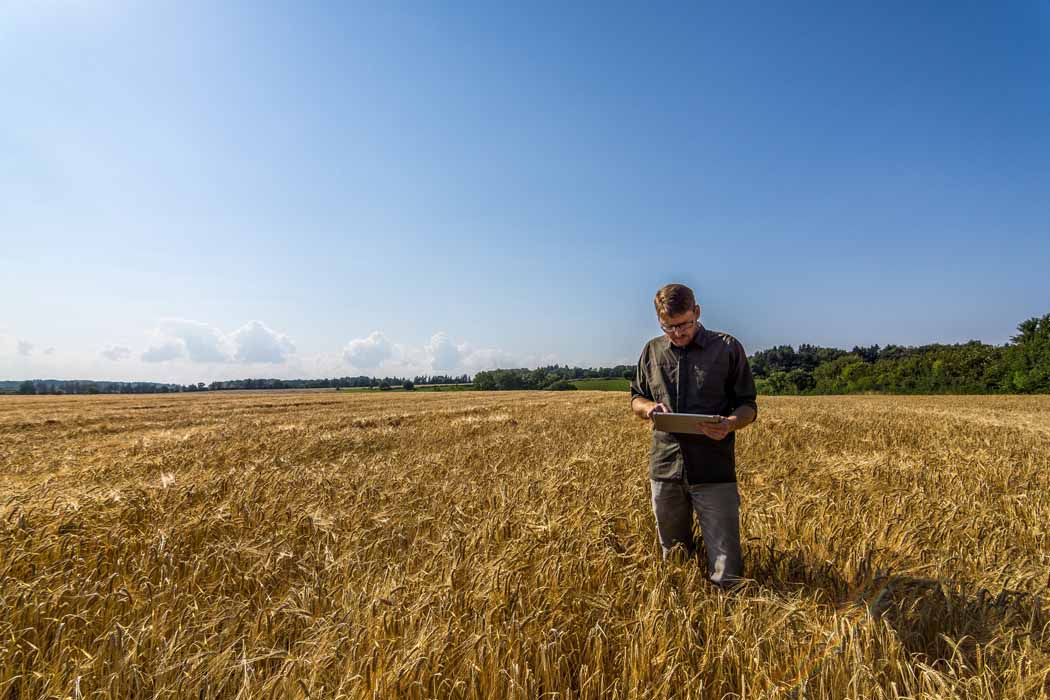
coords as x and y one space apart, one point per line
678 312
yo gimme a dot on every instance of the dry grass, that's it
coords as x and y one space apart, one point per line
475 545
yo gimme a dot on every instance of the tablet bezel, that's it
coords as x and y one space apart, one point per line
683 422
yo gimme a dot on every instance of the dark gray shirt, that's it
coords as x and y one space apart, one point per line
710 375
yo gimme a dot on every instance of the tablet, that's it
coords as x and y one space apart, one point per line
682 422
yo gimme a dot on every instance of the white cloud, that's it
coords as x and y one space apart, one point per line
442 353
116 352
370 352
254 342
49 351
201 343
166 350
185 350
476 360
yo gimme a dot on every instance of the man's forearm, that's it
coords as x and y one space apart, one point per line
745 415
641 405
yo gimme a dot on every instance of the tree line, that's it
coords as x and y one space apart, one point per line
360 382
61 386
553 378
1021 366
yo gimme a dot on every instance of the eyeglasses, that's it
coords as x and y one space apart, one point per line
678 327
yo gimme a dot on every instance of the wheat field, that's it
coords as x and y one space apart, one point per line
501 545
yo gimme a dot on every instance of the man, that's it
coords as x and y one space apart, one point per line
690 369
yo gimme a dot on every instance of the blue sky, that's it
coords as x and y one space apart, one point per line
196 191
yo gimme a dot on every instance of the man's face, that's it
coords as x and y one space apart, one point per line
681 328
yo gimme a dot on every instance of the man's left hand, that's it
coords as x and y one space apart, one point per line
718 431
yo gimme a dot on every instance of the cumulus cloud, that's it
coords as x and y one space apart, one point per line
164 351
201 343
370 352
116 352
476 360
254 342
193 346
442 353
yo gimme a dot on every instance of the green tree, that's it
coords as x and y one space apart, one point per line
857 376
828 378
1026 362
801 380
780 383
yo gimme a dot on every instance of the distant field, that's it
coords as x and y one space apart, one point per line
445 387
501 545
602 384
421 387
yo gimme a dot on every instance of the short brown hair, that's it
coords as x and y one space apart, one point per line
673 299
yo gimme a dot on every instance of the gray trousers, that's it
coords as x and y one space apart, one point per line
718 508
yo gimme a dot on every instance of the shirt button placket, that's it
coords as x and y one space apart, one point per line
679 385
678 409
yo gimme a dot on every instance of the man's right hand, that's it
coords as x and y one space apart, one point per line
656 408
644 408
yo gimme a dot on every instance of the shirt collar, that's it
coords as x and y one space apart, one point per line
701 336
698 340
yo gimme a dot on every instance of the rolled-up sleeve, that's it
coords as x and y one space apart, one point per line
742 384
640 385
